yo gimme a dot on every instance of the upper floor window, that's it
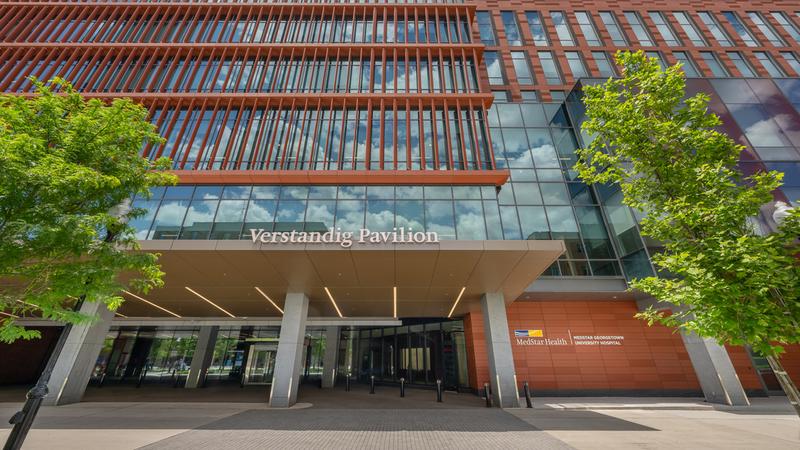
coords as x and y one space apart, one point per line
793 61
537 29
494 68
550 67
690 29
639 29
787 25
772 68
587 29
717 69
604 65
687 64
741 29
715 29
562 28
613 28
522 67
513 35
741 64
486 28
766 29
576 65
664 28
658 57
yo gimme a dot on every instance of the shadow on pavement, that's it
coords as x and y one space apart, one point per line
565 420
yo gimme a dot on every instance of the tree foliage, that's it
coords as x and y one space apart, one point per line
67 167
673 165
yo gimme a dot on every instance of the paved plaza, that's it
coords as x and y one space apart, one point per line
337 419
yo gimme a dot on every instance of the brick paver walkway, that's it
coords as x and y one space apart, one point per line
376 428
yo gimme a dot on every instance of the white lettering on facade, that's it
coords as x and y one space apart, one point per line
345 239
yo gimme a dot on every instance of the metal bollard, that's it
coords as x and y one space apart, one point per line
241 381
141 377
347 383
487 394
372 384
205 377
527 391
102 379
439 391
402 387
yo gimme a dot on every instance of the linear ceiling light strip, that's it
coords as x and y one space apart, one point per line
334 302
269 299
456 303
151 303
209 301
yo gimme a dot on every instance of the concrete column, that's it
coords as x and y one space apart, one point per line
330 358
203 353
711 362
502 374
289 359
714 371
78 357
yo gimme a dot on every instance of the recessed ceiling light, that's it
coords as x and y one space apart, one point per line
209 301
269 299
151 303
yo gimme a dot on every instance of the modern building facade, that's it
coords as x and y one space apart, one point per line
372 189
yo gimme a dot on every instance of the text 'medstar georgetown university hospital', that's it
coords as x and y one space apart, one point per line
384 189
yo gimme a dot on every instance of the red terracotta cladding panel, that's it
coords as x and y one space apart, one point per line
647 359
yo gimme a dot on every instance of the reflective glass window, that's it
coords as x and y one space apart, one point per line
550 67
604 65
494 68
788 26
486 28
714 27
613 28
717 69
522 67
687 63
772 68
639 29
576 65
766 29
689 27
563 32
537 29
741 30
587 28
664 28
741 64
511 27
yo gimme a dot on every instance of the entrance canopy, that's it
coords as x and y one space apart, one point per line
243 279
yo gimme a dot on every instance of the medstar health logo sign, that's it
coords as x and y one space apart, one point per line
536 337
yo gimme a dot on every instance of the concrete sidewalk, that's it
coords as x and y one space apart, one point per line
338 419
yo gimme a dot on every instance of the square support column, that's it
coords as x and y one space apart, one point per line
77 359
502 374
330 357
203 353
289 359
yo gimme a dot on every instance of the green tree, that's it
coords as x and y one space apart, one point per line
663 149
69 168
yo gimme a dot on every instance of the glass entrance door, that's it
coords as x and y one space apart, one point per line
260 364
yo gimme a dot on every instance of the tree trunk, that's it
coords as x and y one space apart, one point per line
786 382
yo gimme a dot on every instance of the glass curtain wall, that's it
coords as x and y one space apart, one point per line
420 351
